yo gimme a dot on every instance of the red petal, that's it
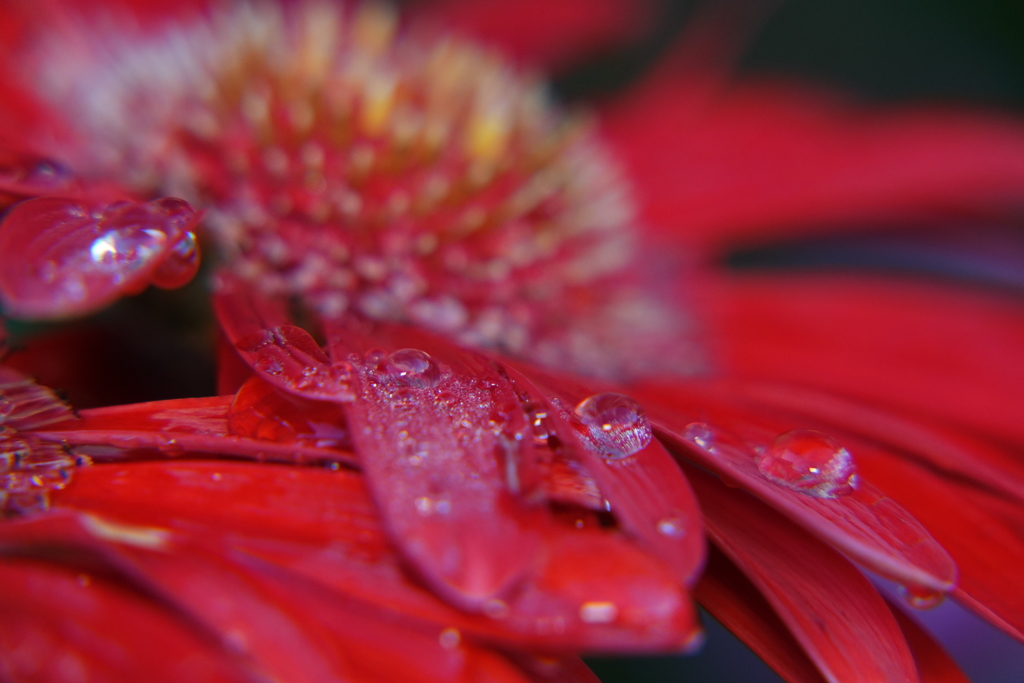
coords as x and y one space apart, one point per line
942 448
824 332
777 159
58 624
832 610
865 525
63 257
648 494
550 33
432 459
183 426
934 665
729 596
282 354
988 547
320 524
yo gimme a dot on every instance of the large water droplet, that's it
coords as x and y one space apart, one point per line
617 424
413 368
121 251
810 462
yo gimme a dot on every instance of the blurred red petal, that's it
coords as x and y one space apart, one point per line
832 610
26 175
58 624
732 599
549 33
776 159
64 257
924 348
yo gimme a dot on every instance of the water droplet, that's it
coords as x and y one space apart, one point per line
540 422
180 265
700 434
450 638
121 251
616 423
598 612
673 527
810 462
413 368
922 598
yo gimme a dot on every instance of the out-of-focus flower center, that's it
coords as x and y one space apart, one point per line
406 177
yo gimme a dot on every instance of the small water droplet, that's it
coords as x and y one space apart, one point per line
450 638
180 265
700 434
269 364
540 422
810 462
616 423
921 598
413 368
673 527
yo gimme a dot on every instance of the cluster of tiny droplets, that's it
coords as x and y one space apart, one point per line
407 177
30 468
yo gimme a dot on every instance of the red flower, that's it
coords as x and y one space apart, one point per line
457 436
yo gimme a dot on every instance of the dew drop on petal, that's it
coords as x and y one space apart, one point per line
673 527
180 265
809 462
616 423
450 638
539 421
921 598
413 368
700 434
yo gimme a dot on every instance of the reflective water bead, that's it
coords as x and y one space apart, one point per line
180 265
616 424
673 527
810 462
123 250
413 368
700 434
921 598
540 422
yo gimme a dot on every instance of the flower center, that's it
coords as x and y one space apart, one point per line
402 176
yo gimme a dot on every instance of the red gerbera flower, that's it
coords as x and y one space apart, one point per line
462 431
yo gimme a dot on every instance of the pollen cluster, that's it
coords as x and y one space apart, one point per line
361 167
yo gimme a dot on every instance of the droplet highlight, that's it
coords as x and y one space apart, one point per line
810 462
616 424
412 368
921 598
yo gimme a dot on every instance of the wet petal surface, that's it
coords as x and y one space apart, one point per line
65 257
